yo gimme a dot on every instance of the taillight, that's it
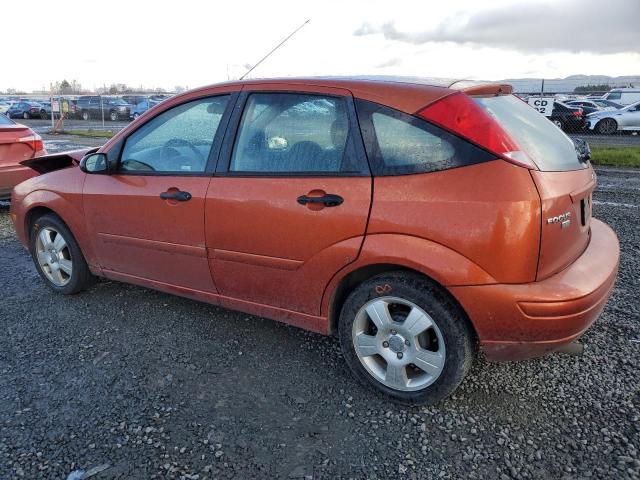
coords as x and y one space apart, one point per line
34 141
577 113
459 114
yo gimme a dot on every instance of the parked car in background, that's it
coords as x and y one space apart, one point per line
591 106
612 121
372 210
24 110
17 143
133 99
4 106
567 118
45 110
142 107
623 96
93 106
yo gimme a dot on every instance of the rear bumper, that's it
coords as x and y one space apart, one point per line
529 320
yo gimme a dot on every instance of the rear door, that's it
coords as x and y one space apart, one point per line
289 203
147 218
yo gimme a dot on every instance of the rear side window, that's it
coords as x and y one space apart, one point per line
291 133
548 147
401 144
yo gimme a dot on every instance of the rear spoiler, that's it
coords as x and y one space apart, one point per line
57 161
474 87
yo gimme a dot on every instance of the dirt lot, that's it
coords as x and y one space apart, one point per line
146 385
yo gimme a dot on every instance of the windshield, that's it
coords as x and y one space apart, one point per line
548 147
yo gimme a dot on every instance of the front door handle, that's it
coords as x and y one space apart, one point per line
178 195
328 200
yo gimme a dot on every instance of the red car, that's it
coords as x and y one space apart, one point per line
417 221
17 143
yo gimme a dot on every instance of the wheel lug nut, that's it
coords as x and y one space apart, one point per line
393 332
406 342
385 344
400 355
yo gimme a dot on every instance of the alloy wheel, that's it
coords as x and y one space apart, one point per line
398 343
54 256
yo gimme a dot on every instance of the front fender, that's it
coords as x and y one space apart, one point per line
447 267
68 209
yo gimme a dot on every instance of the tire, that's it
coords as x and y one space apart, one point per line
43 115
25 115
136 115
607 126
558 124
113 116
85 115
76 276
447 340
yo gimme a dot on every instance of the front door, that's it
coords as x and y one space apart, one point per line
147 218
289 203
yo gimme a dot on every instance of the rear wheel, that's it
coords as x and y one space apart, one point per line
25 115
558 124
57 256
113 116
607 126
402 335
85 115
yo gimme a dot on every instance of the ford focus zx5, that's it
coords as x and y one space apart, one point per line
417 220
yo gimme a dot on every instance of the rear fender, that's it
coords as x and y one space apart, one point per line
445 266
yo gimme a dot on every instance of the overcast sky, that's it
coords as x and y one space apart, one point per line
192 43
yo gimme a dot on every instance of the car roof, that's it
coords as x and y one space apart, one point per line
407 94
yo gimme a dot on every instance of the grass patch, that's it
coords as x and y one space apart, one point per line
88 133
616 156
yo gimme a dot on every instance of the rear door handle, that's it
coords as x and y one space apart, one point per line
179 196
328 200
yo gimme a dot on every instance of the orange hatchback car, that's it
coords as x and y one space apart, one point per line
418 220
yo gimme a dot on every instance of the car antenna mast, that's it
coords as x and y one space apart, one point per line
275 48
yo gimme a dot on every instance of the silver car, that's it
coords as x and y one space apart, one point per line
611 121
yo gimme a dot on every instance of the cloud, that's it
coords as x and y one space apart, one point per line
561 25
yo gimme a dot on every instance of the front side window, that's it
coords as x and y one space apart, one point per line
178 140
293 133
402 144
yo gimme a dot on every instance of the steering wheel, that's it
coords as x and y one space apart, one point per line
170 153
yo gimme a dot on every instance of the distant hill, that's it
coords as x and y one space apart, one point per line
568 84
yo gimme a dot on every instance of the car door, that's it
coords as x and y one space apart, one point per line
147 217
289 203
629 118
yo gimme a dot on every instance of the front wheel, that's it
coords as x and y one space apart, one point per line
85 115
57 256
404 336
25 115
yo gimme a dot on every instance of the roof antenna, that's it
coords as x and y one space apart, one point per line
275 48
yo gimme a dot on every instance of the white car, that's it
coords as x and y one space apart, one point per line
4 106
608 122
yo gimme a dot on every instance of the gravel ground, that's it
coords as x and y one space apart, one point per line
124 382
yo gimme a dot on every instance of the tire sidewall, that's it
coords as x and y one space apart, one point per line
458 337
75 284
606 121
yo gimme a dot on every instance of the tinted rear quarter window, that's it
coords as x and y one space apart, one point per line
401 144
548 147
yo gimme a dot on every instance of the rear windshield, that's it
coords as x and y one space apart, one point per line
546 144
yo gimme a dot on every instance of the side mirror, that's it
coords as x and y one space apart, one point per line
95 163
